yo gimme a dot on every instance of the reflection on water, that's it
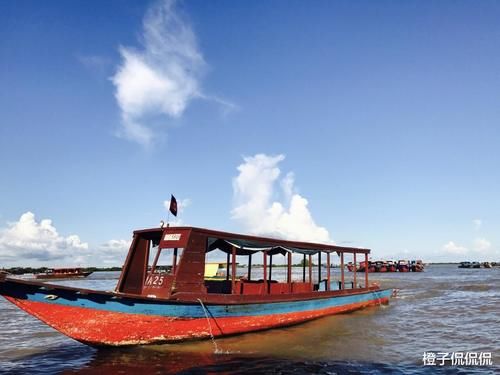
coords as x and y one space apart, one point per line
444 309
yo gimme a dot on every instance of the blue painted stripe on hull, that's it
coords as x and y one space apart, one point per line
188 311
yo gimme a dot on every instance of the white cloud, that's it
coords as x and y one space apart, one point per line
481 244
114 252
479 250
453 248
163 77
29 239
477 223
256 208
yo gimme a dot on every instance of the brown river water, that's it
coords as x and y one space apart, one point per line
444 309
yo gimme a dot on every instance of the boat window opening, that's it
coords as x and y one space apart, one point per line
152 254
217 272
216 265
358 265
166 260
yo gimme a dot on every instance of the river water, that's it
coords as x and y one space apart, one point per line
444 309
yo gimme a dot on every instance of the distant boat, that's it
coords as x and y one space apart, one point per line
212 270
486 264
476 265
371 267
417 266
391 266
63 273
465 265
403 266
351 267
380 266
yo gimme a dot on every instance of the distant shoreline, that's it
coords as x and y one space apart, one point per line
29 270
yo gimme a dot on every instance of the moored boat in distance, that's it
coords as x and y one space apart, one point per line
417 266
477 264
380 266
162 294
351 267
391 266
403 266
63 273
362 265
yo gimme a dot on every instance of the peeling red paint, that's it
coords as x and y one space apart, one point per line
98 327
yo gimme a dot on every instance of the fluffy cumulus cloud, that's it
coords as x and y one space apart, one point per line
453 248
113 252
481 245
255 189
480 249
162 77
30 239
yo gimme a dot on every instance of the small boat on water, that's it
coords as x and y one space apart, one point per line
163 296
476 265
63 273
362 265
403 266
486 264
391 266
351 266
380 266
465 265
417 266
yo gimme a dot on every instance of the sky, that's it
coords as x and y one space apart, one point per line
367 124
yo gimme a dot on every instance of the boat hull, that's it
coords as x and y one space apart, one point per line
111 319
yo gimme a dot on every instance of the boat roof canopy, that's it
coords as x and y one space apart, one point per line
246 244
247 247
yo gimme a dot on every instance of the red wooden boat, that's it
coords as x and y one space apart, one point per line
403 266
371 267
163 296
63 273
417 266
350 266
391 266
380 266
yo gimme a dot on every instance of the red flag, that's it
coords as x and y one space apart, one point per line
173 206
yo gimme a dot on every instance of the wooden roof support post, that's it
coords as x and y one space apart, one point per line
264 290
249 276
366 270
270 272
233 271
310 270
174 265
354 285
304 269
342 286
227 266
289 272
319 267
328 271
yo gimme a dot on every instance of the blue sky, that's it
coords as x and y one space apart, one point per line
364 123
